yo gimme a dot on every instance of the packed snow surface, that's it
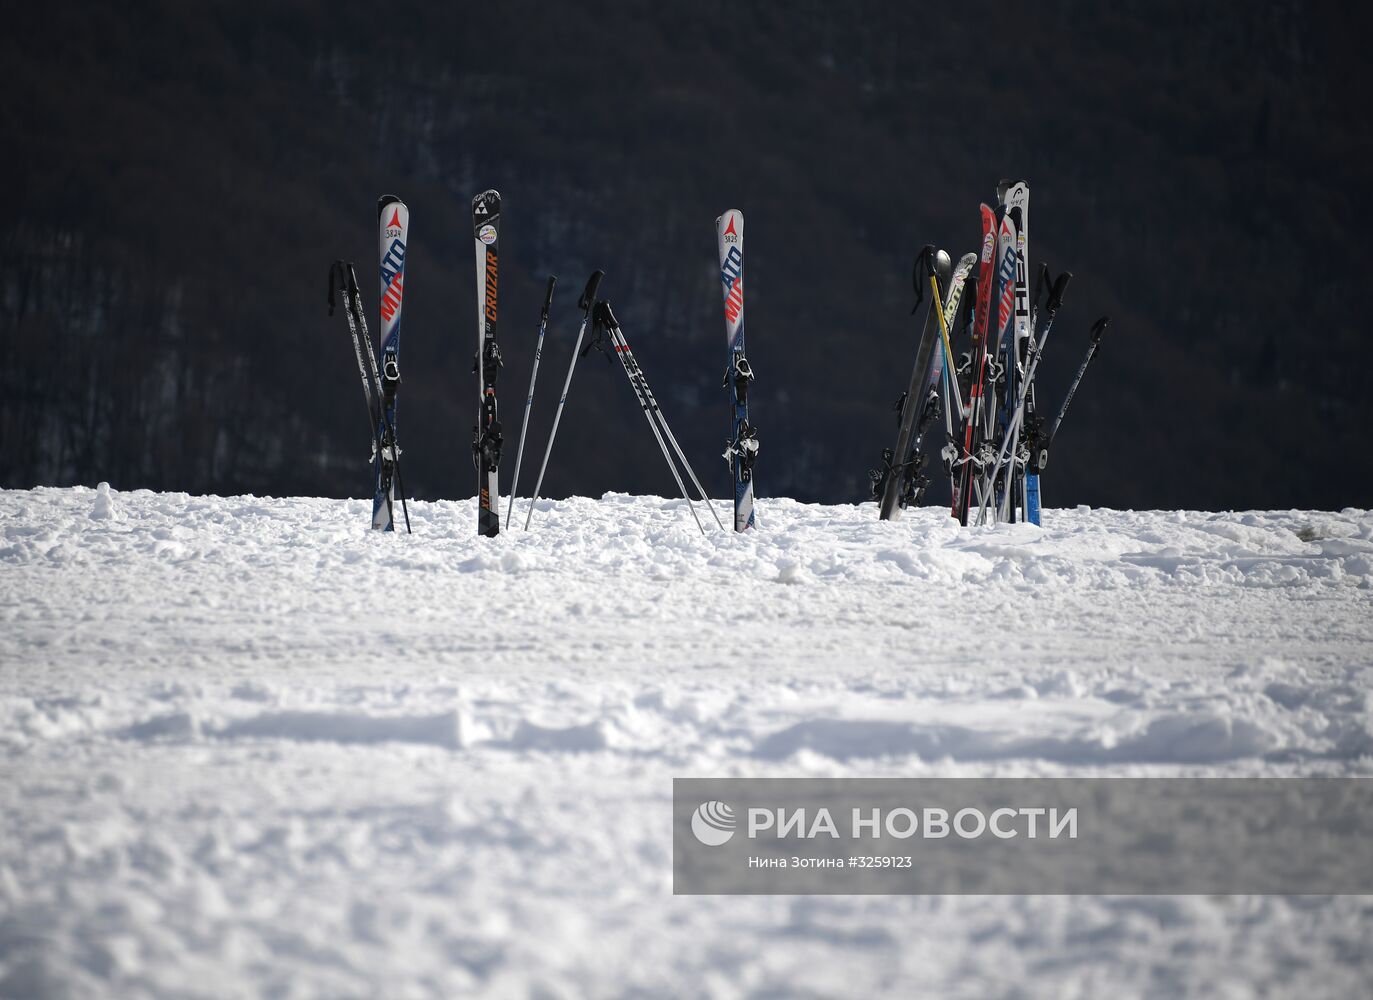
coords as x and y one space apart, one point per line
249 747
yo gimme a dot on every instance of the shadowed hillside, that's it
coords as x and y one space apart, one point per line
180 177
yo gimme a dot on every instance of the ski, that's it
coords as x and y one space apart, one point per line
958 384
1018 207
529 400
1032 424
585 304
999 377
898 483
742 449
486 435
943 362
977 369
394 231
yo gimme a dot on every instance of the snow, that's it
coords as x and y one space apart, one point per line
227 769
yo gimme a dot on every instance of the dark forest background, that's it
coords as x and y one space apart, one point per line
178 177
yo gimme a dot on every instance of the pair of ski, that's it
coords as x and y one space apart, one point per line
380 383
901 482
742 449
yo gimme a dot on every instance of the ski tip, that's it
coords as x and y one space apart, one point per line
1098 328
384 201
489 201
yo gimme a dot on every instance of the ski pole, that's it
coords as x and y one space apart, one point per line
338 282
1098 328
639 382
347 284
585 303
529 402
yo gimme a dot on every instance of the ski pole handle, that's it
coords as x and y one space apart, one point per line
1098 328
924 267
548 298
588 298
605 317
1056 290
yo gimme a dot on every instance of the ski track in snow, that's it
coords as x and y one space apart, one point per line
227 770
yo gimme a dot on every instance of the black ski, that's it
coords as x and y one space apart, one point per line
486 436
898 483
